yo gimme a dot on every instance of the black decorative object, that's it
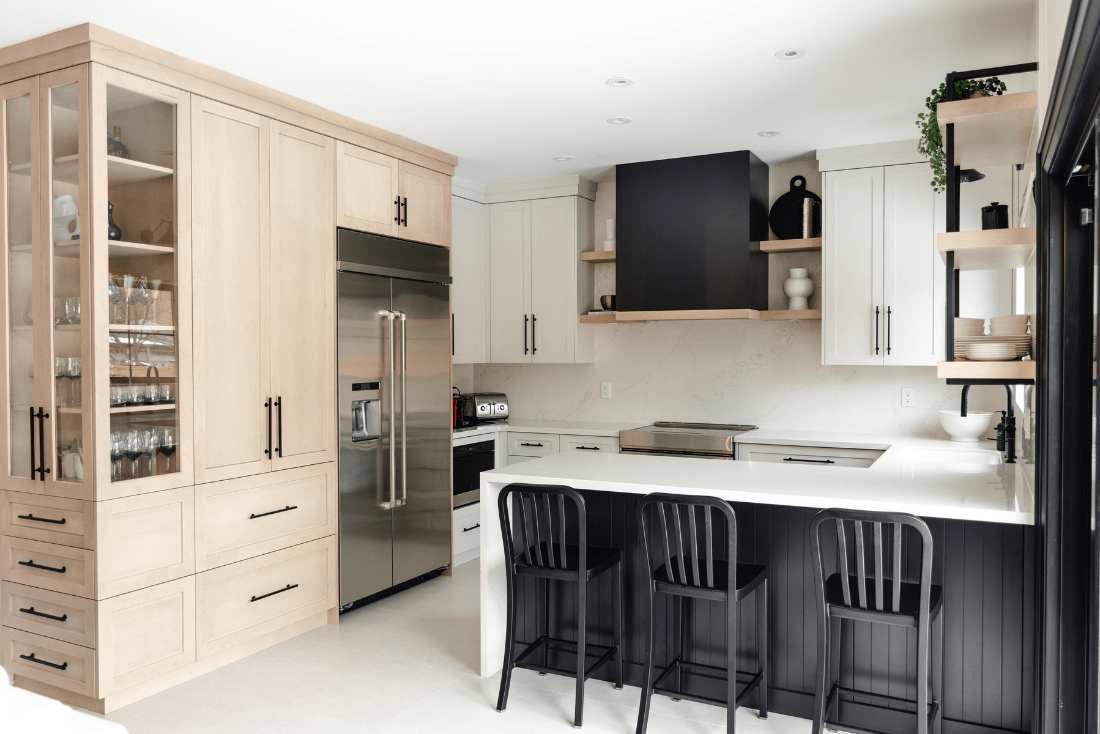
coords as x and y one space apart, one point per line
970 175
115 146
995 216
113 232
786 213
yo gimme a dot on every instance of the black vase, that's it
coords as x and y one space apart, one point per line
113 232
786 214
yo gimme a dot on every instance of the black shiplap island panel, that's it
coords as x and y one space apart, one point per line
987 571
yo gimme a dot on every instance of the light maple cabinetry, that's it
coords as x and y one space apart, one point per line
883 283
539 286
470 289
264 277
384 195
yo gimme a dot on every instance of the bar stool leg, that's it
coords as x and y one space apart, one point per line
937 674
678 636
582 606
617 593
762 644
647 678
821 670
731 662
544 619
509 652
922 679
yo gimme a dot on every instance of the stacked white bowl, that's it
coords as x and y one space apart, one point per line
965 331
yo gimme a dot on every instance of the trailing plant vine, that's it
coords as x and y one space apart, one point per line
931 141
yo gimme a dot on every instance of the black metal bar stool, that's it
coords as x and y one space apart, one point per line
912 605
545 554
678 519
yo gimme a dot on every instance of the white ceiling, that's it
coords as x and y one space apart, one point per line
507 84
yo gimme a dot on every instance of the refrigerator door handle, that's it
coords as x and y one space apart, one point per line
390 315
404 421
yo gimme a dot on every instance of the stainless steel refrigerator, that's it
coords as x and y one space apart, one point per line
394 411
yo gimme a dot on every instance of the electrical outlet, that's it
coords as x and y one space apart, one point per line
605 390
908 397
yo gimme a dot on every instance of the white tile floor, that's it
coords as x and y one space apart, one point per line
407 664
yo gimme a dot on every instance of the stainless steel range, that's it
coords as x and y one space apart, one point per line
702 440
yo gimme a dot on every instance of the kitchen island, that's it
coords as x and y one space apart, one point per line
980 511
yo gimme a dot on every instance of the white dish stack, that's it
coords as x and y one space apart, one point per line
1008 339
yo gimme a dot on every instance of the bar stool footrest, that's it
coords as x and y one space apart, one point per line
603 652
751 680
832 724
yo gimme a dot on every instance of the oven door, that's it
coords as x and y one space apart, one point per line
470 459
683 454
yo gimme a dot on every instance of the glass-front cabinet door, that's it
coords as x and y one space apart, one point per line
142 372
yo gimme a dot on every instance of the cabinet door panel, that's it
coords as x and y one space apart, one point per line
303 308
426 205
852 261
231 252
510 278
366 190
913 275
553 287
470 291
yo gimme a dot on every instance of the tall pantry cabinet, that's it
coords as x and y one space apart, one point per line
167 368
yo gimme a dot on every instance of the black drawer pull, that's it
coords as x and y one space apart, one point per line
273 512
475 527
273 593
32 564
531 444
812 461
62 618
33 659
41 519
588 448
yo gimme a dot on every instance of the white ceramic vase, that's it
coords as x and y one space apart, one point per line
609 243
798 288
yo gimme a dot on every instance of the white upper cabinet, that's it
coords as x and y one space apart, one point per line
539 288
470 289
883 283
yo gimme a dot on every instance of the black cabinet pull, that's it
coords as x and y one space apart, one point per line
274 512
62 618
42 468
33 659
889 313
534 348
525 333
405 203
531 444
279 427
452 335
32 564
41 519
588 448
475 527
267 405
812 461
273 593
876 331
397 203
34 469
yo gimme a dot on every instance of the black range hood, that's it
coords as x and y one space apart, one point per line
688 232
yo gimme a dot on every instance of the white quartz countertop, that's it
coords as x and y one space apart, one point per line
915 475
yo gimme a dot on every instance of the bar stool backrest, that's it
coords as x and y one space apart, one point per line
688 519
896 522
540 514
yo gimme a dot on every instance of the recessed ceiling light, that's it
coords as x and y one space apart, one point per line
618 120
619 81
790 53
768 133
563 157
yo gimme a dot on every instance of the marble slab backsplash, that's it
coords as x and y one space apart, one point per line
764 373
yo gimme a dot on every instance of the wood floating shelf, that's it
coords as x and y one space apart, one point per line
990 131
598 257
776 246
134 249
988 249
635 317
142 408
126 171
973 370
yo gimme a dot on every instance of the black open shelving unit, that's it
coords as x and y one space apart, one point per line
953 218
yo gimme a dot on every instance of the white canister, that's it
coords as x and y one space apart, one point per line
609 243
799 288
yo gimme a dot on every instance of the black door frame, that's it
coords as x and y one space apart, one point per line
1067 607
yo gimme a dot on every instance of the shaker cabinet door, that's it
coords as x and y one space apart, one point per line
366 190
303 308
470 291
231 253
510 279
553 279
425 205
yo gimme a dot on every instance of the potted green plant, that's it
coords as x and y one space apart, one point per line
931 141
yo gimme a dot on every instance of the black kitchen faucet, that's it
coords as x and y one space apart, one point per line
1006 429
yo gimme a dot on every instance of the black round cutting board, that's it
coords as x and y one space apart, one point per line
786 214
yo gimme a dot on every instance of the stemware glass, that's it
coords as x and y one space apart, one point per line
139 303
58 311
150 443
168 448
72 371
117 302
60 370
132 449
116 455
